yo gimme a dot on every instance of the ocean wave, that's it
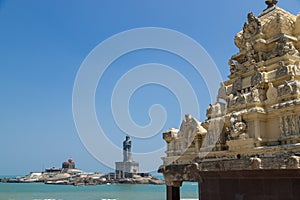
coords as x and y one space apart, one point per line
47 199
108 199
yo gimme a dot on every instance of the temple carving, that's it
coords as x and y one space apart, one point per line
251 135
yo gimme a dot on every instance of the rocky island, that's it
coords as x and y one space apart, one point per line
126 172
69 175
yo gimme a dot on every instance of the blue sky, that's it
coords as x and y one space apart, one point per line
43 43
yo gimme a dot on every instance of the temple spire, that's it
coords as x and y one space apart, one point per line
271 3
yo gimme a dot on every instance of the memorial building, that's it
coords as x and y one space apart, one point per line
248 148
127 167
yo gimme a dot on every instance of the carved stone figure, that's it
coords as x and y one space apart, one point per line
229 101
255 95
232 66
288 47
239 40
237 126
250 53
169 135
293 162
295 69
255 163
285 89
286 125
292 125
188 129
237 85
222 92
241 98
261 56
256 79
295 87
240 67
282 70
252 27
283 47
215 110
214 131
209 111
281 126
272 94
271 3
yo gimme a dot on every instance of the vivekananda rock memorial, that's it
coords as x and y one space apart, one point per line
248 148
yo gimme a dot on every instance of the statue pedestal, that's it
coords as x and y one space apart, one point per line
240 144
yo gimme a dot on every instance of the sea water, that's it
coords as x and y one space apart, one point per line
40 191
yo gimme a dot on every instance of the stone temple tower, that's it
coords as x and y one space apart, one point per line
249 145
128 167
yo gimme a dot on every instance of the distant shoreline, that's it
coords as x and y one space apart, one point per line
77 177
